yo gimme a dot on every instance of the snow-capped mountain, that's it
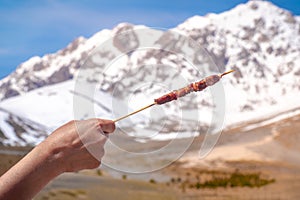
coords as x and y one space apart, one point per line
51 68
257 39
17 130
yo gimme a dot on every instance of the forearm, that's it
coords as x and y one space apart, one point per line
30 175
62 151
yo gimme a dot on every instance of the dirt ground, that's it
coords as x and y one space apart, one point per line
271 170
97 184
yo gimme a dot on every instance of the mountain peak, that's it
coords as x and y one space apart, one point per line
122 27
261 8
243 15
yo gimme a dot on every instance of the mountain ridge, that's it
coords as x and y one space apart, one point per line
257 39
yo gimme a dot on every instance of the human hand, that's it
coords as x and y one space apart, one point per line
74 146
79 145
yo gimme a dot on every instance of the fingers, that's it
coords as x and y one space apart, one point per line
107 126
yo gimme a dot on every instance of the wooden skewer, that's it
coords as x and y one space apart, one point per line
227 72
172 98
132 113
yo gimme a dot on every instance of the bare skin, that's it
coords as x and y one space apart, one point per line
74 146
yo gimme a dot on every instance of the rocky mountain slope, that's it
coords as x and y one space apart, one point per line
257 39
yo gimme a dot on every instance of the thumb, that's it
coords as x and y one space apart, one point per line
108 126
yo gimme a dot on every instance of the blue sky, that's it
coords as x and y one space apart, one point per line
32 27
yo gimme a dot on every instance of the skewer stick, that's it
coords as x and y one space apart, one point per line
172 96
227 72
139 110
